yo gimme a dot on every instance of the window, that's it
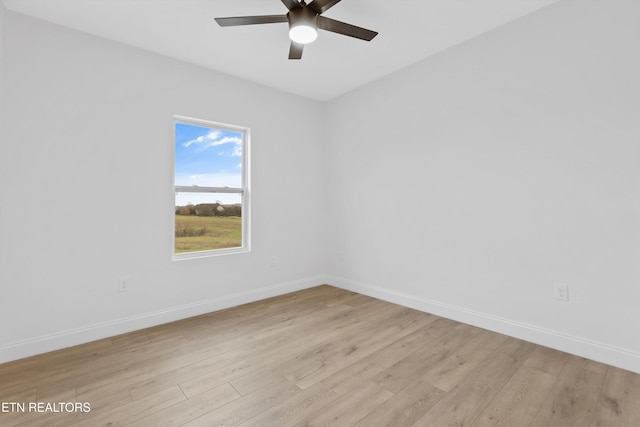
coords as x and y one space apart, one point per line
211 188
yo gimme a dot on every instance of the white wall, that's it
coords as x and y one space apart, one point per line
2 11
465 185
472 182
3 302
86 167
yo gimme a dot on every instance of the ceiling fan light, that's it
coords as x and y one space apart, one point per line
303 34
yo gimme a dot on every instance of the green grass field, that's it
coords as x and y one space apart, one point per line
201 233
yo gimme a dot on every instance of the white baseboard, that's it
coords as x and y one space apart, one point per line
598 351
69 338
611 355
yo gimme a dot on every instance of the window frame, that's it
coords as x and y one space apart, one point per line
243 191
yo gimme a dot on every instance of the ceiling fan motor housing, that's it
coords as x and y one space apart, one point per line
302 16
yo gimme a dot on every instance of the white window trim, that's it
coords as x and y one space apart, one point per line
244 191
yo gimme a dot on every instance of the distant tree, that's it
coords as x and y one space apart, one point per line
183 210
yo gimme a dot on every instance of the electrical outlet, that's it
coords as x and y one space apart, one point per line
123 284
561 292
273 261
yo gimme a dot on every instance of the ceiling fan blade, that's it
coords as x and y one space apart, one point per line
291 4
251 20
295 51
321 6
345 29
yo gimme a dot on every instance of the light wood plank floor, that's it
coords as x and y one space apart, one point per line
322 356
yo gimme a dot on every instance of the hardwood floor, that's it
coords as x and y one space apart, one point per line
322 356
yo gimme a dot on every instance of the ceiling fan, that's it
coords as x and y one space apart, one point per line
304 20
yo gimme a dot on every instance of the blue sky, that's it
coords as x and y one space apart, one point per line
207 157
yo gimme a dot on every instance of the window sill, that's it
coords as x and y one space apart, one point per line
208 254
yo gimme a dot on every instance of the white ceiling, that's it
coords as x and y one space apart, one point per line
409 31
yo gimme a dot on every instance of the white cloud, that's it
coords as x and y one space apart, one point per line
226 140
214 139
211 136
237 150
